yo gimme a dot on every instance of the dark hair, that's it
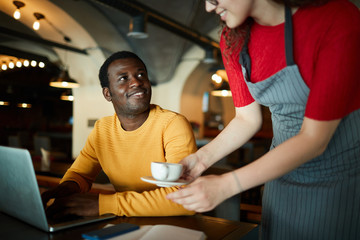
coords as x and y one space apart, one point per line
236 36
103 72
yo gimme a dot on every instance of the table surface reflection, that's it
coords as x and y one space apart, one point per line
214 228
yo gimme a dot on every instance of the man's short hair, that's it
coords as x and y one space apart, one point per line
103 72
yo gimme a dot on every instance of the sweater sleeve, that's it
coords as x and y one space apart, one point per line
147 203
86 166
179 140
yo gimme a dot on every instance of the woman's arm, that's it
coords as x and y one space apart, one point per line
207 192
242 127
309 143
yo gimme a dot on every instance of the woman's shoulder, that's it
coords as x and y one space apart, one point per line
323 23
339 10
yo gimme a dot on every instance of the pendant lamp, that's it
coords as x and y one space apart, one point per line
67 95
137 27
63 80
210 56
18 5
220 84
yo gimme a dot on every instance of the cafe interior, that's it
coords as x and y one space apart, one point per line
50 95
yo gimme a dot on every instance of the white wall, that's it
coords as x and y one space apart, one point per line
89 104
168 95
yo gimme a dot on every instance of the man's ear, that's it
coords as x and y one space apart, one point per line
106 93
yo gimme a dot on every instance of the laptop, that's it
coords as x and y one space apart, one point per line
20 195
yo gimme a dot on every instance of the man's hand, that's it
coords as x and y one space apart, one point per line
69 201
80 204
63 190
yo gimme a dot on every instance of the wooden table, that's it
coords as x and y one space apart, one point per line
214 228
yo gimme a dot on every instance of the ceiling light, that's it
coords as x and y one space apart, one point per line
18 64
222 74
11 65
24 105
41 65
209 56
216 78
220 84
18 5
221 93
137 27
64 81
67 96
38 16
17 14
4 66
33 63
4 103
26 63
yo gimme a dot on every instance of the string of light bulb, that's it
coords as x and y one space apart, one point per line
19 63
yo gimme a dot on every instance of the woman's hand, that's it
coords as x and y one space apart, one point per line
192 167
205 193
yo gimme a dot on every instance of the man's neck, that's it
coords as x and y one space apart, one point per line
131 123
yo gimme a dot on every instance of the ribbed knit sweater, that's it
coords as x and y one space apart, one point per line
125 156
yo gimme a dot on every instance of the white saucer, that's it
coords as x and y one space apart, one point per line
152 180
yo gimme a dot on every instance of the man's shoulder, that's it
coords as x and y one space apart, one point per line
160 112
167 117
105 120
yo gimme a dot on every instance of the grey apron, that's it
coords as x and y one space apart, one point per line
321 198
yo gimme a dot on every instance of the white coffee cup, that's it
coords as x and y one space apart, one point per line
164 171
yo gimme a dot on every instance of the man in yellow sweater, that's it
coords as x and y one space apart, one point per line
123 146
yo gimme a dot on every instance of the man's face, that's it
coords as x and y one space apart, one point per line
129 87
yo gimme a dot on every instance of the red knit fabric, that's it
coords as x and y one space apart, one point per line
326 50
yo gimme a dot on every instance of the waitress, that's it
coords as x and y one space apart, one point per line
300 59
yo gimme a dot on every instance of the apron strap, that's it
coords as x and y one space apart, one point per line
245 60
289 52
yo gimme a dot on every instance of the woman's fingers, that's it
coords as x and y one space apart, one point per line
202 195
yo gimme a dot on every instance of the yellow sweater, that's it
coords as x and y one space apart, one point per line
125 156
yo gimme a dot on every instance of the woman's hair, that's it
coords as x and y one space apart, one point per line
235 37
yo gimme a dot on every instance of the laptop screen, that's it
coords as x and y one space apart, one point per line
21 198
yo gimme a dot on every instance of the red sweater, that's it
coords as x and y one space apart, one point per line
326 50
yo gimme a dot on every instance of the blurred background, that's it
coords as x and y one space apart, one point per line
51 51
